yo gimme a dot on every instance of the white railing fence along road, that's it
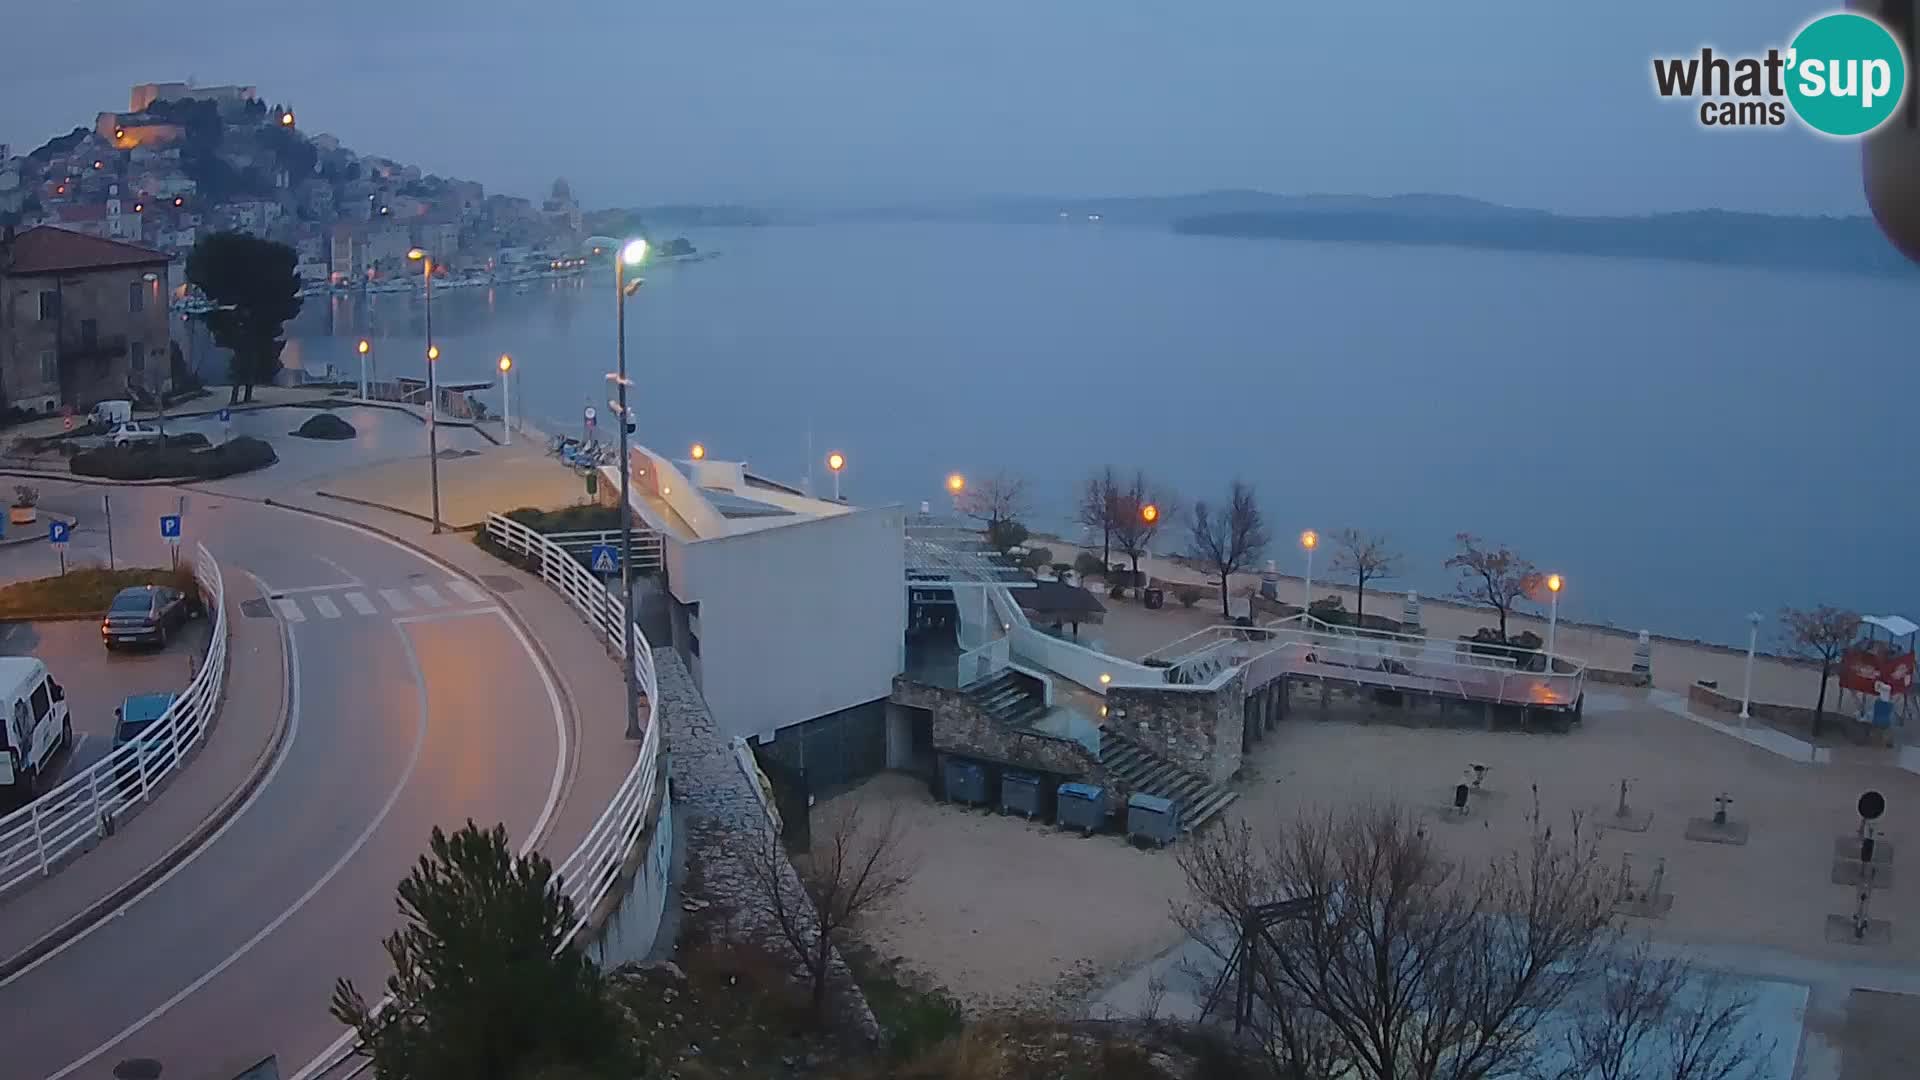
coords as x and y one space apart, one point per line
592 871
88 805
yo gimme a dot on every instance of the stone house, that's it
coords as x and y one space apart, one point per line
82 318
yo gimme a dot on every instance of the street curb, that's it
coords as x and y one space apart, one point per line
421 518
94 913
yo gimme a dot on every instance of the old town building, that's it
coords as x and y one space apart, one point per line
82 319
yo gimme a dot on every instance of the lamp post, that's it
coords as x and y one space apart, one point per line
433 391
698 452
1308 540
1753 642
1553 615
1148 515
365 348
632 253
835 462
506 389
956 486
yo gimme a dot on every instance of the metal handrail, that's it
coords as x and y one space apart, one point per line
86 806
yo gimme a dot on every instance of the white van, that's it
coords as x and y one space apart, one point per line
34 725
109 413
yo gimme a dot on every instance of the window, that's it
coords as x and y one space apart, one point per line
137 296
89 333
137 355
693 643
49 366
42 702
49 306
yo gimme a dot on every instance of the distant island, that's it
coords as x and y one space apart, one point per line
1851 245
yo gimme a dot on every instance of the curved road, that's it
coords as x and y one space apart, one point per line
414 703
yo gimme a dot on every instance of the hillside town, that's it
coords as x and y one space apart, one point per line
182 161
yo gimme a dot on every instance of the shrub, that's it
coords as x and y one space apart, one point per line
84 589
1188 596
1116 592
1035 558
1087 565
325 426
174 462
25 495
1006 534
1061 570
192 440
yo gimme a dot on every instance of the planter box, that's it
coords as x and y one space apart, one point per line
23 515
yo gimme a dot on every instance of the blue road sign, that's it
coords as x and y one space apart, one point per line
226 415
59 532
169 526
604 559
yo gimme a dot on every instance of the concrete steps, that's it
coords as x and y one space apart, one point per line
1009 699
1141 770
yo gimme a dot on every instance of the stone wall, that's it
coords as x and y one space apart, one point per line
1200 731
961 727
1791 718
1608 677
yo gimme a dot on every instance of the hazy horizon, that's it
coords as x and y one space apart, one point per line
894 101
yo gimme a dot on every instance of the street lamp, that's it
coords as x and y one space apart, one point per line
835 462
1753 642
506 389
698 453
365 349
1553 615
632 253
1309 540
433 391
956 485
1148 515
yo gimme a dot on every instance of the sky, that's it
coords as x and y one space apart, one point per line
852 102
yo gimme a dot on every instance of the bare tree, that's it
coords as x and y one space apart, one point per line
1228 539
1652 1015
1363 557
1000 498
1491 576
1139 509
1824 634
1099 508
1401 964
813 901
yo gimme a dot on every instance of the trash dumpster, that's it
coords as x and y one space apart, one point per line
1156 598
1081 806
1021 793
1153 819
966 782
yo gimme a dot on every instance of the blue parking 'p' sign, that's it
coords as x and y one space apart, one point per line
58 532
169 526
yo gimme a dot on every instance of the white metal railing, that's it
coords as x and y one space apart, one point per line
1079 663
979 665
85 806
1299 645
648 549
590 873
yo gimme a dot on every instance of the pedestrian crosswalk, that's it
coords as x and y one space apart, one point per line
324 604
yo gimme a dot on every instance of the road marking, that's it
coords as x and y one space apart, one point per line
359 603
442 616
325 607
466 591
396 599
318 588
344 572
290 656
413 760
430 596
289 609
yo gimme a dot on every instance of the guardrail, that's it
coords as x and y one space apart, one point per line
589 874
87 805
648 548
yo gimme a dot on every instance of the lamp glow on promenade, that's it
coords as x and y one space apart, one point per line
506 390
1753 642
1553 614
365 348
835 462
632 253
1308 540
433 390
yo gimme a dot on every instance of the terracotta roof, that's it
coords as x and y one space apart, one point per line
51 250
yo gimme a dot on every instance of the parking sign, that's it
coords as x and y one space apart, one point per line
59 532
169 526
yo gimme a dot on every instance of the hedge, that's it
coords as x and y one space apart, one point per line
83 590
239 455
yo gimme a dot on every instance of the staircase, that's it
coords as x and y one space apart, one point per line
1009 698
1136 768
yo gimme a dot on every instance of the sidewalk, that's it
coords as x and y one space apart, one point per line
201 796
588 679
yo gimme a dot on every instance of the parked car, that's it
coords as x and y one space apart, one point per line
145 613
116 411
133 723
34 726
133 432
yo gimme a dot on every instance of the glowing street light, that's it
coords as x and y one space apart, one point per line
1553 615
632 253
1149 513
956 485
698 453
1309 540
835 462
433 390
286 119
506 390
365 349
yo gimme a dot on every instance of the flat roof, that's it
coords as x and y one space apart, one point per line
947 552
712 500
